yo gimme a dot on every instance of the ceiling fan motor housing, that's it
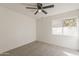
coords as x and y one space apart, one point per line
39 5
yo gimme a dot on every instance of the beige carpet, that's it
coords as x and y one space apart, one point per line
40 49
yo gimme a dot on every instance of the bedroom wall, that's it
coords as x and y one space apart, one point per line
44 30
15 29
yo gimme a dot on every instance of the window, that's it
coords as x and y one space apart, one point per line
69 29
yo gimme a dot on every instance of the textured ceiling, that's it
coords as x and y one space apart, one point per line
59 8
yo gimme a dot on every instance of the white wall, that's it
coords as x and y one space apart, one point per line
15 29
44 30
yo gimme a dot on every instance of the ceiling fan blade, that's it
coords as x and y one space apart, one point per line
44 12
36 12
31 8
50 6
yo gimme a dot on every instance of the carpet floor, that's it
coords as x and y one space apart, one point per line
38 48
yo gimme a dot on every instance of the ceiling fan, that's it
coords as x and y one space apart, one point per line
40 8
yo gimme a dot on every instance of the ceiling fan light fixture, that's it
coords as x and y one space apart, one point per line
39 10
